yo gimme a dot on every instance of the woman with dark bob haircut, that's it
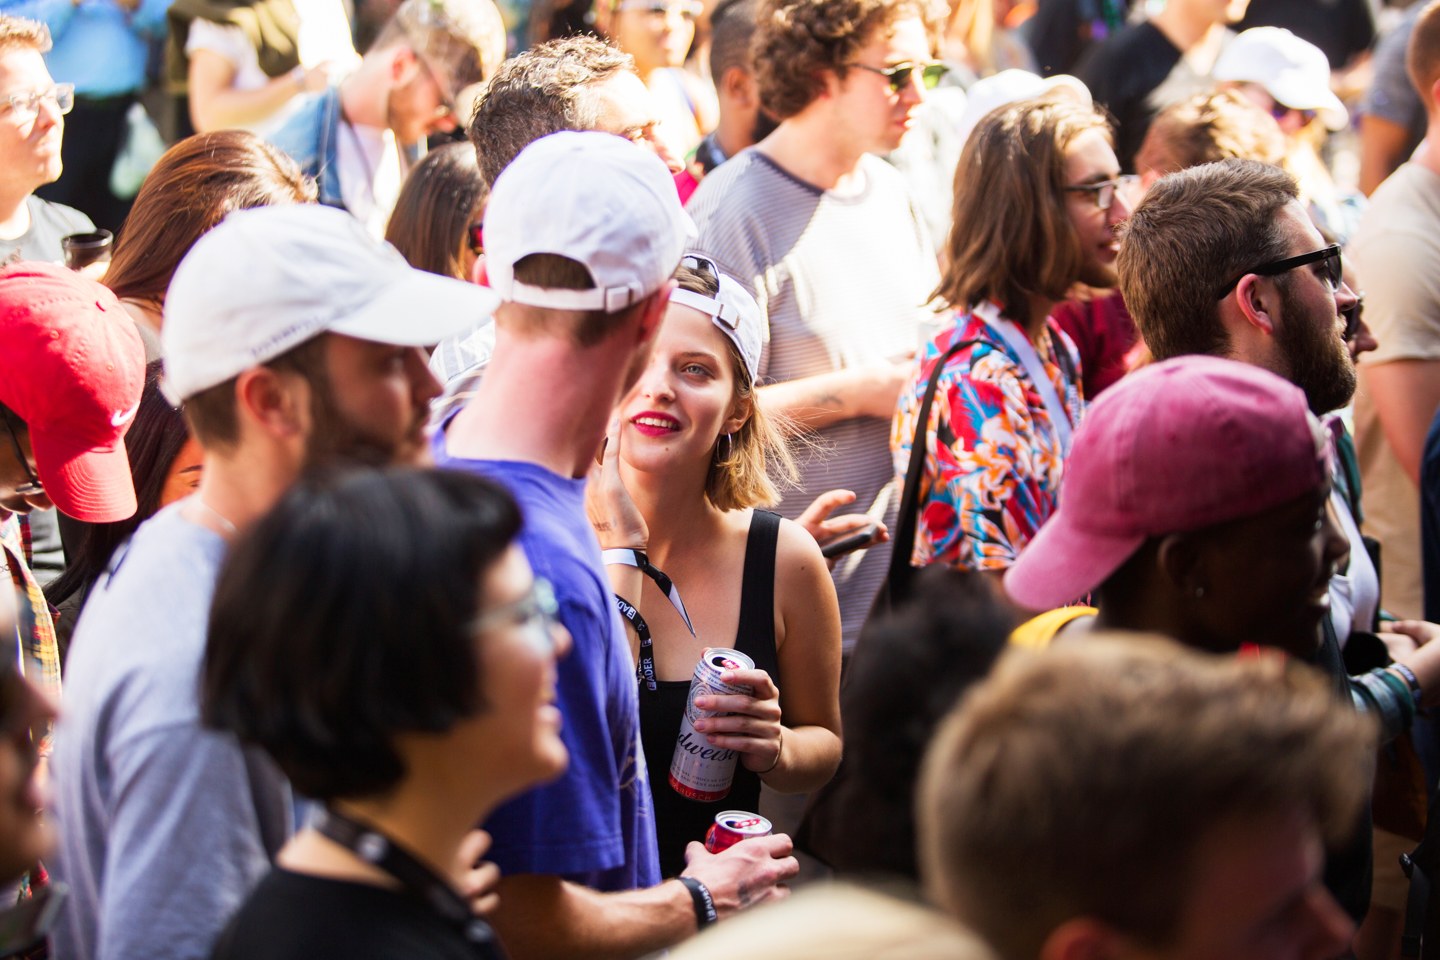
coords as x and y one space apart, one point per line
436 222
190 189
380 636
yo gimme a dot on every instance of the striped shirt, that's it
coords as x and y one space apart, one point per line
843 281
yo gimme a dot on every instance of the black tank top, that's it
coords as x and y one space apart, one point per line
678 820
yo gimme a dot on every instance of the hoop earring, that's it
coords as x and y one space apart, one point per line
729 447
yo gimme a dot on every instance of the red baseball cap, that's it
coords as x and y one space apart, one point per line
72 367
1173 447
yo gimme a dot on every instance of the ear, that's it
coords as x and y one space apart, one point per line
275 402
1182 562
738 85
740 413
1083 939
403 65
1258 299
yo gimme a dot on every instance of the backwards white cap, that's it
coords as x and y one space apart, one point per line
732 309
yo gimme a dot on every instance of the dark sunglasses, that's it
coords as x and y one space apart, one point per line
475 236
1352 315
1329 257
1279 111
898 76
32 486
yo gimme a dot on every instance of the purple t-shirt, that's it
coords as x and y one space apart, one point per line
594 825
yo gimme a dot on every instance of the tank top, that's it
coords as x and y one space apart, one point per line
678 819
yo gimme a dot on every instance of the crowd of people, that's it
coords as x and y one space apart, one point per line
996 443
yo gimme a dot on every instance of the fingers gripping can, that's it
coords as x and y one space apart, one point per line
699 770
732 826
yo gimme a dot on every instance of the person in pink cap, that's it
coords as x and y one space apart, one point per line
71 371
1195 506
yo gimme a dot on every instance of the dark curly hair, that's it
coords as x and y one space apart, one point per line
540 92
797 40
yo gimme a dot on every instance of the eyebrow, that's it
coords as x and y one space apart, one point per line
1095 178
193 469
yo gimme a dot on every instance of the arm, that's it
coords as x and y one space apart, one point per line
184 845
541 917
816 402
1406 394
216 105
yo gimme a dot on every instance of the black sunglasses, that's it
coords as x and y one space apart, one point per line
475 236
1329 256
898 76
32 486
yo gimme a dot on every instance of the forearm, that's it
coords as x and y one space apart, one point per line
542 917
810 403
809 757
224 108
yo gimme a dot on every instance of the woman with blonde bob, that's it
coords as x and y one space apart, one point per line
684 469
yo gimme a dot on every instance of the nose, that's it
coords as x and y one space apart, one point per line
1332 927
1345 298
47 113
657 144
656 383
423 384
1336 549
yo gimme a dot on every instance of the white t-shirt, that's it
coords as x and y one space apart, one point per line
370 174
324 35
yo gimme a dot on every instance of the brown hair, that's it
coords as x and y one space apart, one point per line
1195 231
1422 54
1210 127
1105 766
437 204
1011 237
743 468
539 92
191 188
553 271
797 41
17 33
212 415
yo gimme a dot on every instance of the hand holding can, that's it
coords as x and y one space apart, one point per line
700 768
748 723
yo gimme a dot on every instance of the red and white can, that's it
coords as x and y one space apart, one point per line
699 770
732 826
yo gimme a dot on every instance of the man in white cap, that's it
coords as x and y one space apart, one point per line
582 234
294 341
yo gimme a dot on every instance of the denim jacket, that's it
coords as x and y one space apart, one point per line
311 137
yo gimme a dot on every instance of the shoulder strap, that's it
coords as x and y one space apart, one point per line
756 635
907 517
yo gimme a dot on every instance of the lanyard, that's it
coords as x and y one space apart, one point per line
418 881
645 668
1034 368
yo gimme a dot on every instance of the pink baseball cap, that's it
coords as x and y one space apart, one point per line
1174 447
73 367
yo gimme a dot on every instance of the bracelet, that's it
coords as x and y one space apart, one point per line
704 903
1410 679
778 752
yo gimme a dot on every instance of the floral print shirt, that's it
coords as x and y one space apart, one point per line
995 462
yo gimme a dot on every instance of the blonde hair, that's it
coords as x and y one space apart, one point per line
17 33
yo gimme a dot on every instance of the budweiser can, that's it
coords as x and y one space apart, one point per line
732 826
699 770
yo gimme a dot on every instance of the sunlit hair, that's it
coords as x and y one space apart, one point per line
744 469
1210 127
17 33
1107 766
1012 238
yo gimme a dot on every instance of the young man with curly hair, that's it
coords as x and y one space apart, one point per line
829 241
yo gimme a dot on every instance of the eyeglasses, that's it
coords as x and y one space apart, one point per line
1353 315
1328 257
1104 191
447 103
32 487
899 75
475 236
27 105
534 613
689 10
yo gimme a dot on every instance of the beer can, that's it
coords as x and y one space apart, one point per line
699 770
732 826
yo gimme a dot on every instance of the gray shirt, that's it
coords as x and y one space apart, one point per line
843 281
164 826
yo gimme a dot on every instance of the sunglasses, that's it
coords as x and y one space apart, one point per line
1104 191
1328 257
1352 315
690 10
1279 111
475 236
32 486
899 75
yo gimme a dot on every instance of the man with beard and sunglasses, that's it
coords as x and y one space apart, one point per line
294 342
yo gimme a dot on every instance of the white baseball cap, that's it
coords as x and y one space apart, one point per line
268 279
1293 71
732 309
1012 86
597 199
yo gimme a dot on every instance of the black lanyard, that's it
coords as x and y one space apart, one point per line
418 881
645 668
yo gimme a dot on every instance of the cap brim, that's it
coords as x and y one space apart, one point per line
1324 102
420 309
92 484
1062 564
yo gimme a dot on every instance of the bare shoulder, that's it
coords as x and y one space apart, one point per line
798 563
